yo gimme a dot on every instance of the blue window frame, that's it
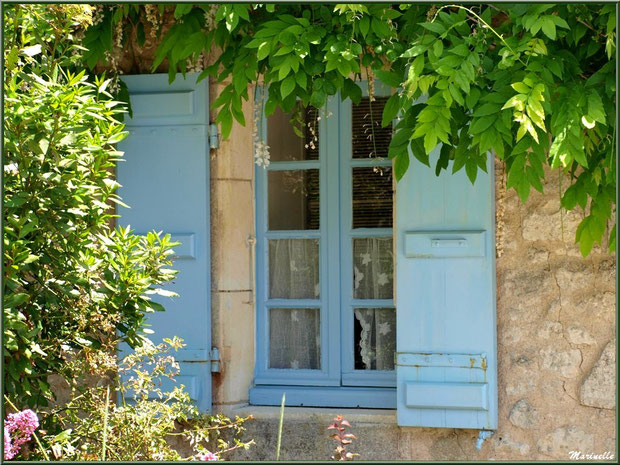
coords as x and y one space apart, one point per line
325 310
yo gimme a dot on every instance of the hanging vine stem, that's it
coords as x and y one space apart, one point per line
371 98
500 211
487 25
561 208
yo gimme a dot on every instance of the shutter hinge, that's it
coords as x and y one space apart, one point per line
215 360
214 136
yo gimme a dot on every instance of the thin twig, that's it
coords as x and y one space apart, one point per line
105 424
483 22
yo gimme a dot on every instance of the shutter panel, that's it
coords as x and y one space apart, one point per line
445 299
165 181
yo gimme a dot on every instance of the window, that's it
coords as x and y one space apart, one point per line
326 322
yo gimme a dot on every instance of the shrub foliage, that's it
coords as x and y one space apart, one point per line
70 280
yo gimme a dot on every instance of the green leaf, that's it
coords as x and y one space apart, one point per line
471 169
487 109
285 68
589 231
391 78
430 140
472 98
287 86
417 148
263 50
14 300
392 106
596 111
401 164
559 21
480 124
548 27
521 87
302 79
380 27
225 119
435 27
414 51
438 48
364 25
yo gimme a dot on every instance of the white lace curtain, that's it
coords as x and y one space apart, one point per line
294 269
377 340
295 338
373 271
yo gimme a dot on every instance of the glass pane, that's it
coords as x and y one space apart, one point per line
294 269
375 338
372 197
293 199
373 268
295 338
364 117
285 144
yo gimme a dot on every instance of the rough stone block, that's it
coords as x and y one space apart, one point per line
523 414
560 442
579 336
599 387
565 363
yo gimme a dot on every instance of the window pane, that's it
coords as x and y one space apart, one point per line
372 197
362 129
375 338
293 199
373 268
294 269
295 338
287 145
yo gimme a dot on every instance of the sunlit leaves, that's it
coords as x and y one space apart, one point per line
511 80
69 281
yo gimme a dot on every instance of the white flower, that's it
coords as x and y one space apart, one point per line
365 258
295 364
261 154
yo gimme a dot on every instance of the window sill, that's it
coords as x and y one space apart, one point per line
321 415
320 396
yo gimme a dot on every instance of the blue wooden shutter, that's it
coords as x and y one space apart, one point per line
165 181
445 299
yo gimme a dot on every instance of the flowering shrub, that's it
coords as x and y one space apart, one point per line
18 430
148 421
70 282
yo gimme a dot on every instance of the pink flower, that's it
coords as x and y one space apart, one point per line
18 429
207 457
8 445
